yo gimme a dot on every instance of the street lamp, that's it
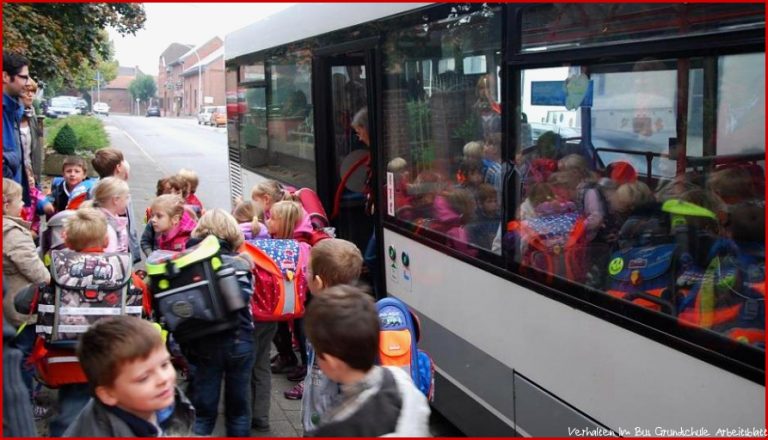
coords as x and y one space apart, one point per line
199 81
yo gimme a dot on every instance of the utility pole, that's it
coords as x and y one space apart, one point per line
98 86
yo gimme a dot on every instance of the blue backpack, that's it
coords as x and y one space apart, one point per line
398 344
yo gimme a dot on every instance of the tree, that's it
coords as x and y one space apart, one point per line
66 141
60 38
143 88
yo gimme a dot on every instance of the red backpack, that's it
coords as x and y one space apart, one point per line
279 278
310 201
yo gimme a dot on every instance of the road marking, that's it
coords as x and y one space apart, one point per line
142 150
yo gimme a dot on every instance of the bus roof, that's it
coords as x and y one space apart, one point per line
306 20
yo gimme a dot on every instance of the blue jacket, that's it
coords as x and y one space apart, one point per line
13 161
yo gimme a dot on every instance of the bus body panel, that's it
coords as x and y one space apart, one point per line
621 379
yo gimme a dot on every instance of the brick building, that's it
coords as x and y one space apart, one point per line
169 80
116 94
182 91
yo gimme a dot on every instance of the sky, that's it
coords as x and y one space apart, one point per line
186 23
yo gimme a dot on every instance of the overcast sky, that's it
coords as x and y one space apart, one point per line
186 23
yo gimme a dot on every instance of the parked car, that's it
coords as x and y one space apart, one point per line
82 105
219 116
101 108
62 106
204 116
153 111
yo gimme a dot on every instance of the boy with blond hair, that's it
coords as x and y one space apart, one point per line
343 327
133 382
332 262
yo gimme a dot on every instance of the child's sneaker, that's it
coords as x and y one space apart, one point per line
296 392
297 374
284 364
40 412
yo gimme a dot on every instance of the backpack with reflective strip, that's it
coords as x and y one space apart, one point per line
86 287
398 337
280 281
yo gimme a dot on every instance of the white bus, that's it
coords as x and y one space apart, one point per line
524 347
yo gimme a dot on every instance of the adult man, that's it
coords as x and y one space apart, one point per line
15 77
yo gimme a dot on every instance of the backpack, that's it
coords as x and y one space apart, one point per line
85 287
280 278
194 292
82 192
731 296
311 203
554 244
398 339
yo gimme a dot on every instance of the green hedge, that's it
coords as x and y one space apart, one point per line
88 129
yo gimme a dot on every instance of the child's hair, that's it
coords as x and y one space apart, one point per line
746 222
271 188
112 342
343 323
468 166
289 215
473 150
485 192
336 261
107 188
572 162
106 160
161 184
191 178
731 184
565 183
463 202
170 204
631 195
247 212
397 165
75 161
86 228
220 223
540 193
11 191
177 183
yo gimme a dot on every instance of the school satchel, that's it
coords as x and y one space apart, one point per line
280 281
86 287
194 293
399 334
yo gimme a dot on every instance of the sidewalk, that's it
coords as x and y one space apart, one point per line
285 415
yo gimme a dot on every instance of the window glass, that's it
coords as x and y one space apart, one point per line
288 153
564 26
252 109
252 73
686 241
442 127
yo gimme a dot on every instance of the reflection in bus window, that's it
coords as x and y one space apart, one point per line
443 126
277 137
634 212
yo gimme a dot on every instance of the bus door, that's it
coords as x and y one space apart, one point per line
346 150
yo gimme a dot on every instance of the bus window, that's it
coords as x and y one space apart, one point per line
630 211
277 130
442 130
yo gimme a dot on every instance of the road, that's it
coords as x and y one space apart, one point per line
171 144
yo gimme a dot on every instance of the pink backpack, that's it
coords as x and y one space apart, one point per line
279 278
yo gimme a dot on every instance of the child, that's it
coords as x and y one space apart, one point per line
248 217
133 383
85 231
483 230
109 162
228 353
267 193
165 185
343 327
21 267
285 216
454 209
171 224
111 197
21 264
73 171
332 262
190 177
